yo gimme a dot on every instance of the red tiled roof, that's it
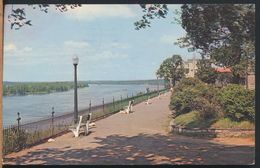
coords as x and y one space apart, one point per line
221 70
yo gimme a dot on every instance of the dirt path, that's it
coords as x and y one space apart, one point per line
137 138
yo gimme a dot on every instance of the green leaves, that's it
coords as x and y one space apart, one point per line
18 19
151 12
171 68
238 102
39 87
219 30
205 72
232 101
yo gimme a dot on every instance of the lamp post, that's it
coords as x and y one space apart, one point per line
75 60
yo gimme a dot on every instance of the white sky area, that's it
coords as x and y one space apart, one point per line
102 36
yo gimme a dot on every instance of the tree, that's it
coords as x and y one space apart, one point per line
17 17
171 69
205 71
223 32
151 11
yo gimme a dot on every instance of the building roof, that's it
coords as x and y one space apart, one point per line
222 70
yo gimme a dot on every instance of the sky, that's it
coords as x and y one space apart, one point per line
102 36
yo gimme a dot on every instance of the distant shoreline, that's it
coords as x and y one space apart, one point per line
39 88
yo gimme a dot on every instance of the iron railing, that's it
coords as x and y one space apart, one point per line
23 135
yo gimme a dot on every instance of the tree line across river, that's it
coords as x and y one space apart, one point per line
27 88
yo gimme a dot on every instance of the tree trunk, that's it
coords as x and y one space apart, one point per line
173 82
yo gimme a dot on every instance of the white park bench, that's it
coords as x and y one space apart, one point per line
148 101
81 126
159 96
128 109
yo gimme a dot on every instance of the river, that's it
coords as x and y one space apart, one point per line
35 107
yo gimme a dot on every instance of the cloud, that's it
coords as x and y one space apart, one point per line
91 12
105 55
26 49
76 44
119 45
10 47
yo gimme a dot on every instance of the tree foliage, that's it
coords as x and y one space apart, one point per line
238 102
232 101
205 71
26 88
17 18
192 94
211 26
223 32
171 68
151 11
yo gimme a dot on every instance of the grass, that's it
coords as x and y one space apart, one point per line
227 123
192 120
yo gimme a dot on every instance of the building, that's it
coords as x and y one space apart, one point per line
190 67
224 79
224 76
250 82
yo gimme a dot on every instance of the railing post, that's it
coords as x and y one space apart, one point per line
52 121
18 121
89 109
121 102
18 130
127 96
103 105
113 103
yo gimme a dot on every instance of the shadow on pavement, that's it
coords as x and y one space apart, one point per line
142 149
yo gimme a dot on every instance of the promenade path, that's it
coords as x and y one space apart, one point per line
137 138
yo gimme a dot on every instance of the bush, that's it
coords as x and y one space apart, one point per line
188 82
185 92
207 109
192 94
238 102
181 101
14 139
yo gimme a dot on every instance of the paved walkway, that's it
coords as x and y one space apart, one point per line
137 138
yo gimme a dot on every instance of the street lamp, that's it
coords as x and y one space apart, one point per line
75 60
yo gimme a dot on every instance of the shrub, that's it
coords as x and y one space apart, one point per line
192 94
238 102
207 109
188 82
181 101
14 140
